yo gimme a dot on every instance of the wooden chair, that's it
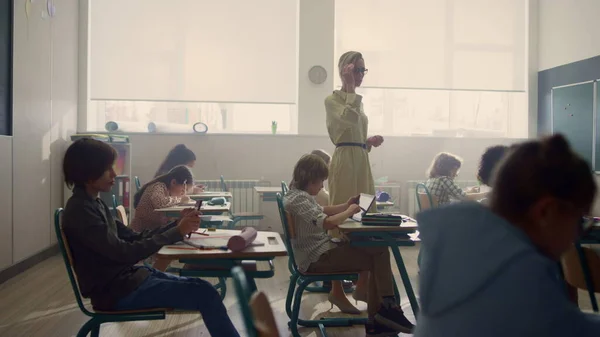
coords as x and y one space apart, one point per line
241 216
122 215
581 269
299 282
424 199
256 309
97 318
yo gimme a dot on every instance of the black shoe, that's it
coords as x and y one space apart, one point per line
379 330
394 318
347 284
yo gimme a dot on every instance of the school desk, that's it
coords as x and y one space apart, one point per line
224 260
209 195
386 236
174 211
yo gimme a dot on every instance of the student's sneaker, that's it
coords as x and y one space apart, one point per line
376 329
394 318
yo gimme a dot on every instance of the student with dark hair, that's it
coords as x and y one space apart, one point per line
105 251
489 160
316 252
164 191
179 155
493 271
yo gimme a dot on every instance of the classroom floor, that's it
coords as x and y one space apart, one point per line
40 303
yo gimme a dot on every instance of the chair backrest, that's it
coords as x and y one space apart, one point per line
122 215
424 199
264 320
573 270
138 185
68 259
284 188
224 185
289 231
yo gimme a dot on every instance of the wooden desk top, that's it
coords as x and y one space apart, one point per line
384 203
273 246
205 207
267 189
210 195
350 226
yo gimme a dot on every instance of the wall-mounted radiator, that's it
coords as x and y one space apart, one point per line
245 198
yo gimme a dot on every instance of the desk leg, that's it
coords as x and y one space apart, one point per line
251 284
405 279
161 264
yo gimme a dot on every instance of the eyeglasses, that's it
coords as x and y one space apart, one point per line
363 71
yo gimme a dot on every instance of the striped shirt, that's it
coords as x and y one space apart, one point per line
444 188
311 239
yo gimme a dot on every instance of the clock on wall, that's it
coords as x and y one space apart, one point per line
317 74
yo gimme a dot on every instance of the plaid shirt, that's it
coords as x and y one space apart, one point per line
445 189
311 240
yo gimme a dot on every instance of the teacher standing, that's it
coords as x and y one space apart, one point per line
347 124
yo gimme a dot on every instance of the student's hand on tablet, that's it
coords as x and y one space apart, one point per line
353 200
198 189
189 223
185 199
353 209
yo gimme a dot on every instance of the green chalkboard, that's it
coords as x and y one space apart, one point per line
6 43
573 116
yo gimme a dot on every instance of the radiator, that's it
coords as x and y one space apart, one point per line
413 207
245 198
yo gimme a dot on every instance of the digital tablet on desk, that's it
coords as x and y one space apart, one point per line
365 202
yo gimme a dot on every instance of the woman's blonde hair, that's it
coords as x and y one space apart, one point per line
347 58
443 164
322 154
309 169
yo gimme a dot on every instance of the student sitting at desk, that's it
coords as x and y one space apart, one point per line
164 191
105 251
493 271
179 155
315 251
489 160
442 172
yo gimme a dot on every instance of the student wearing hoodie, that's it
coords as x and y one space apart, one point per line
493 271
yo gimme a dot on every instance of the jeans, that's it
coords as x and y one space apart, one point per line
161 290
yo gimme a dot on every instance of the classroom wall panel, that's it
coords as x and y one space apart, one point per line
5 202
31 146
64 84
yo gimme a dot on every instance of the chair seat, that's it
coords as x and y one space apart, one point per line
248 215
246 265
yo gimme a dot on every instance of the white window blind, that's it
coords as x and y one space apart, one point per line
194 50
442 44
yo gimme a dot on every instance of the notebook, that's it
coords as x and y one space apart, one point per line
365 202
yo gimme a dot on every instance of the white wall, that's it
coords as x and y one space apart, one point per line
45 101
568 31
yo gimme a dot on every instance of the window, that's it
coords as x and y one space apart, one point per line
230 64
6 83
439 67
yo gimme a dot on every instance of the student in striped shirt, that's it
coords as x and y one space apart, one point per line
316 252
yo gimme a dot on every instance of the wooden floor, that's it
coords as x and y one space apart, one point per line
40 303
